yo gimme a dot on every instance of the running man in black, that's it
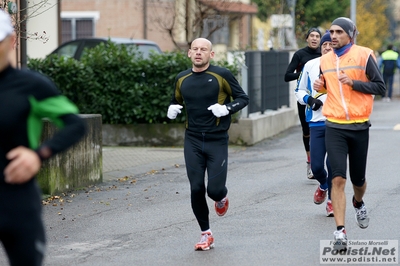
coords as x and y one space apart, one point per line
206 91
299 59
26 97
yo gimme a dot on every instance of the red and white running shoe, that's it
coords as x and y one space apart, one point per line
221 207
320 195
206 242
329 209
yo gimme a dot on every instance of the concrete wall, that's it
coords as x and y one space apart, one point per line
258 127
248 131
144 135
80 166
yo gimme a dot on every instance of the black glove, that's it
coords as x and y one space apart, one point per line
314 103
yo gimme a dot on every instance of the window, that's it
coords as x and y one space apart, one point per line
217 30
76 28
76 25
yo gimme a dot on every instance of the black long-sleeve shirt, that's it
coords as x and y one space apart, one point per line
26 98
299 59
199 90
376 86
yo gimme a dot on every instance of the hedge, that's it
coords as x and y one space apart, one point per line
118 83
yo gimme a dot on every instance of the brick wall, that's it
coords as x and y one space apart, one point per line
125 18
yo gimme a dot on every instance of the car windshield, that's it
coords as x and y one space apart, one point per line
68 50
144 49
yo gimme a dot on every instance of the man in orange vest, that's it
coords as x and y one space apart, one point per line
351 77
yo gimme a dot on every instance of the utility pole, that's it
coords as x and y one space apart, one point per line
59 22
353 7
292 7
144 19
353 12
293 11
22 32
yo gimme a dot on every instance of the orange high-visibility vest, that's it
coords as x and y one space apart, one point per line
343 104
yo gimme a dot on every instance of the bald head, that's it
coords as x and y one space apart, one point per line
201 42
200 53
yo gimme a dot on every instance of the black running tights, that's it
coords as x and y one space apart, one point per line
206 151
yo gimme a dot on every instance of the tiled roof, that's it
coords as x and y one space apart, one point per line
230 7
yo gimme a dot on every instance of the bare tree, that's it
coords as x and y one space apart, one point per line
21 16
187 19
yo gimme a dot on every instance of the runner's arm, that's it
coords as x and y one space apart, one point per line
375 85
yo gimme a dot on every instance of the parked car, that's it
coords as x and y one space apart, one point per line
76 48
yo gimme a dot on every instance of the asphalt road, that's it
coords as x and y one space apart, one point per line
145 218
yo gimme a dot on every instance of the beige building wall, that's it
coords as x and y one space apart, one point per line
261 35
234 41
396 9
396 15
240 1
42 29
220 52
179 31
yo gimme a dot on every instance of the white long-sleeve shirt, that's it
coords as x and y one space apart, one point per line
304 90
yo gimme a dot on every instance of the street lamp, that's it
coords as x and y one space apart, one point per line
292 7
353 11
353 8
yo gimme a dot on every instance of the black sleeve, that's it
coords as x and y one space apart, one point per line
74 129
240 98
176 94
375 85
290 71
47 103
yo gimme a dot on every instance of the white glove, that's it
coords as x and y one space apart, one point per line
174 110
218 110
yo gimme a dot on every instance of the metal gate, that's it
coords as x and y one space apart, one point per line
267 88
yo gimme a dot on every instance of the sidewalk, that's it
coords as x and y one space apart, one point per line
127 161
120 162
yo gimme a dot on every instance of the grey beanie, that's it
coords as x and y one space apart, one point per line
313 30
347 25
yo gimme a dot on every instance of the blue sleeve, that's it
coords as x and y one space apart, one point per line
305 99
380 61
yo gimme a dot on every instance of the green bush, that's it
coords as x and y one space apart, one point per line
74 79
118 83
